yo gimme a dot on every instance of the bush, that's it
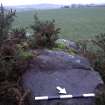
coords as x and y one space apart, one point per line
94 50
6 19
14 60
45 33
96 55
18 33
99 40
11 56
100 94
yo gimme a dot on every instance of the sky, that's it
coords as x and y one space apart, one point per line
66 2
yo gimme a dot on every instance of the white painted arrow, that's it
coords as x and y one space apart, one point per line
61 90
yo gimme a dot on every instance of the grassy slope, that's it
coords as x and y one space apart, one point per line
75 23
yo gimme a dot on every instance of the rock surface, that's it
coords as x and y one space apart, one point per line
68 43
56 68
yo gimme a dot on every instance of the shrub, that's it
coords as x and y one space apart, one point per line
99 40
18 33
14 60
6 19
94 50
11 56
100 94
45 33
13 64
96 55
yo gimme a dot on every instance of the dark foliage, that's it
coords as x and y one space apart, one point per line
96 53
86 51
97 59
18 34
99 41
6 19
12 66
14 59
45 33
100 94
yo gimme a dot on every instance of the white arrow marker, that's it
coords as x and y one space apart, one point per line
61 90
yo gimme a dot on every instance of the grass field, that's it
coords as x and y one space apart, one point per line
74 23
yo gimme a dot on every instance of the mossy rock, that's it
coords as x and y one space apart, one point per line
63 47
66 46
25 55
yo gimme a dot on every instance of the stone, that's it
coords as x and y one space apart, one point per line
68 43
57 68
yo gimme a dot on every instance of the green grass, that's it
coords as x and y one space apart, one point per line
74 23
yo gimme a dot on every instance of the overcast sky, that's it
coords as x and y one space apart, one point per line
67 2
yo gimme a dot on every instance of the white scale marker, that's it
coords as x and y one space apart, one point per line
65 96
89 95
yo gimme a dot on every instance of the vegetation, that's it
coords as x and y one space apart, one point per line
14 59
100 93
45 33
15 54
19 33
94 50
64 45
96 55
6 20
75 23
15 51
99 41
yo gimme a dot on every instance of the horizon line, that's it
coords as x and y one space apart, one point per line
55 4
